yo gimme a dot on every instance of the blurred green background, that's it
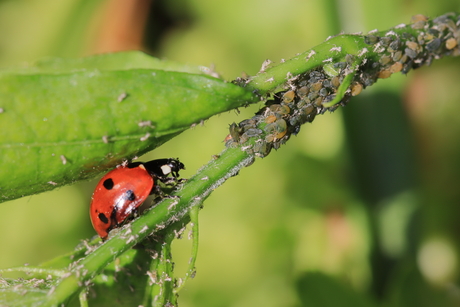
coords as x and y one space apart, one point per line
360 209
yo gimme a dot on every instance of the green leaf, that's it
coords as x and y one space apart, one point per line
109 61
61 127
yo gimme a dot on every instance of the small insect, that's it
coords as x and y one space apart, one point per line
121 191
451 43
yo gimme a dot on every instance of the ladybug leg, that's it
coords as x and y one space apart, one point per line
171 181
160 194
181 180
156 190
136 212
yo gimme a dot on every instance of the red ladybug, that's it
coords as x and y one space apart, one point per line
121 191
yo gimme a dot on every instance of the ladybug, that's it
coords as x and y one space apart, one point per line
121 191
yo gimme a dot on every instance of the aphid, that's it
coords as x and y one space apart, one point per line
302 102
270 128
303 91
384 74
418 25
323 92
281 128
316 74
270 119
274 108
384 60
329 98
406 67
396 67
340 65
234 132
284 110
288 96
262 148
404 58
441 19
318 101
248 123
243 138
368 79
252 132
227 139
451 43
316 86
356 88
330 70
269 138
371 39
312 95
421 39
350 59
433 32
412 45
418 17
397 56
433 45
308 109
385 41
407 36
327 83
410 53
335 82
428 37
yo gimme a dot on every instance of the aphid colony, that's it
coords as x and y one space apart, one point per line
409 47
286 112
405 48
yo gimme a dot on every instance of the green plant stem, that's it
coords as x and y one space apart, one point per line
272 126
168 211
276 76
195 234
161 291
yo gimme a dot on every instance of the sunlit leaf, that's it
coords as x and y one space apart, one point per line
61 127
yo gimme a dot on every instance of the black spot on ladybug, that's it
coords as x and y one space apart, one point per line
103 218
129 195
108 184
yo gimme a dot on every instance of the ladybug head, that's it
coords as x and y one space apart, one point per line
173 166
161 168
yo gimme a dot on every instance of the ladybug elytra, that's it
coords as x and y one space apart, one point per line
121 191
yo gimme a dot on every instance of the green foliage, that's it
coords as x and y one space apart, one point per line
311 218
69 121
316 290
98 132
